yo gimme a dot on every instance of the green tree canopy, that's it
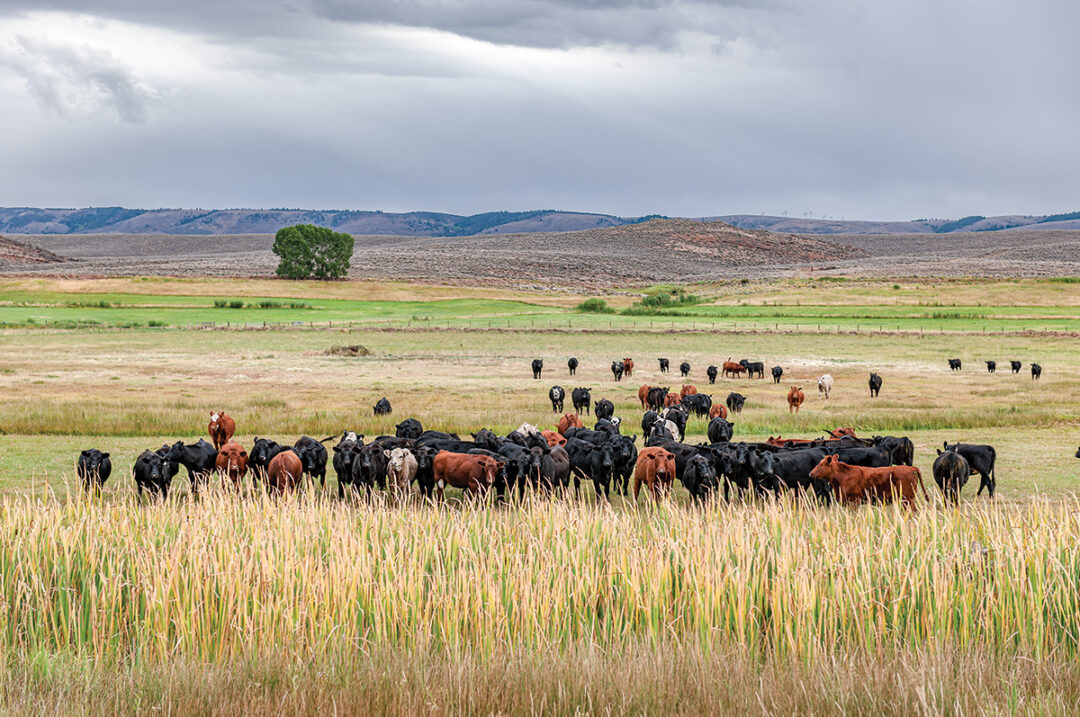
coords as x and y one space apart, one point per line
308 251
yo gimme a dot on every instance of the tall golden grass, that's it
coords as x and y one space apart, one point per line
224 579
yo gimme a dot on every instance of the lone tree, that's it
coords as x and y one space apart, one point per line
309 251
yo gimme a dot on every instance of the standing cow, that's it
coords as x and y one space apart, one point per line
777 372
382 407
232 463
824 385
617 368
684 368
572 364
875 385
628 367
537 367
711 373
1016 366
981 460
93 468
991 366
955 365
221 429
951 472
556 395
1036 371
664 365
401 467
656 469
795 398
582 399
735 402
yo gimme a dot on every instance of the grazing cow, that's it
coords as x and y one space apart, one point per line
854 484
955 365
664 365
553 438
572 364
582 399
735 402
717 411
824 385
643 395
1036 371
671 399
382 407
1016 366
711 373
568 421
221 429
795 398
684 369
617 368
401 466
677 415
471 473
875 385
951 472
981 460
537 367
199 459
232 463
556 395
409 428
656 469
153 472
732 369
93 467
991 366
901 449
628 367
687 390
312 454
604 408
720 431
657 397
284 472
777 372
753 368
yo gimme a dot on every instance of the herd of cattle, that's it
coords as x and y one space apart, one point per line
956 364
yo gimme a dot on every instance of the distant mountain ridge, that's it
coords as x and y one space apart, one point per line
120 220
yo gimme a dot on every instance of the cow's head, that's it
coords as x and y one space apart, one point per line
215 416
92 460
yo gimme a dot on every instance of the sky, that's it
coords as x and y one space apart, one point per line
856 109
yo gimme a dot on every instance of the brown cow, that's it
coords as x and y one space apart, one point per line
553 438
795 398
643 395
221 429
232 462
284 472
569 420
672 399
732 369
656 469
628 367
687 391
854 484
465 470
843 431
718 410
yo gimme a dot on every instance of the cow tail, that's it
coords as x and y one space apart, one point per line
918 474
330 438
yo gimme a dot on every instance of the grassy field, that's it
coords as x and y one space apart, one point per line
225 605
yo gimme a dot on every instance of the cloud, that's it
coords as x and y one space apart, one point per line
77 81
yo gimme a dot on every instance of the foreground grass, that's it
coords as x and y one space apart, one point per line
668 608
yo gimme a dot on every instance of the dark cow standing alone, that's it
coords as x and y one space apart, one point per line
572 364
1016 366
537 367
951 472
664 365
711 373
617 368
93 468
875 385
955 365
556 396
777 372
684 368
383 408
582 400
981 460
1036 371
991 366
735 402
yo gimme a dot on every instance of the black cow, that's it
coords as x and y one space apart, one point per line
389 443
875 385
582 399
720 431
199 459
522 465
409 428
699 477
344 454
684 368
648 420
554 468
262 450
901 449
1036 371
436 436
753 367
312 455
425 470
152 472
609 426
951 472
572 364
711 373
698 403
777 372
596 463
596 437
604 409
664 365
625 460
656 396
981 460
659 435
383 408
872 457
677 415
991 366
537 367
93 467
368 468
1016 366
955 365
556 395
486 438
735 402
792 468
617 368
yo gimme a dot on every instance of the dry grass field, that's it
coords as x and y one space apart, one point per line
309 605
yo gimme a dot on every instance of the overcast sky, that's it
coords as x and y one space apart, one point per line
878 109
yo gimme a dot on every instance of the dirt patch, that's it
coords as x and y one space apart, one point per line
354 350
15 253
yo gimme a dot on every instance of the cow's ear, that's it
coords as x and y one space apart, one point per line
500 465
939 451
104 455
386 453
87 451
243 453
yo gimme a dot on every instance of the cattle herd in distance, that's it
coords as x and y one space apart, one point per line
839 466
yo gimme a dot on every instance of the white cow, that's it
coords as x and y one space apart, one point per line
400 470
824 385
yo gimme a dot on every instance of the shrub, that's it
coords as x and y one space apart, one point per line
595 306
308 251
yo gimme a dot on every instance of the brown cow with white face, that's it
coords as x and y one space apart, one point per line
221 429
